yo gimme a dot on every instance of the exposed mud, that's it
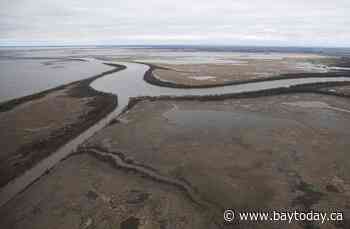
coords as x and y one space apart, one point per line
37 125
244 153
184 162
86 192
172 81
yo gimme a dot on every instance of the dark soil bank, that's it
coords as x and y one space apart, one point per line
149 78
99 104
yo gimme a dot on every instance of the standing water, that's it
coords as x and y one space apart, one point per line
126 84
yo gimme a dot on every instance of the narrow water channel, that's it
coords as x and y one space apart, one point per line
126 84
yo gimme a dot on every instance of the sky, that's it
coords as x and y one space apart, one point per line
318 23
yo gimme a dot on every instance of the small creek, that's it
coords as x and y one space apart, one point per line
126 84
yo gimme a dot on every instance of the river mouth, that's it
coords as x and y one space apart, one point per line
129 84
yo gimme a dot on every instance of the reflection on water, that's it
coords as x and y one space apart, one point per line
129 83
218 119
26 71
21 77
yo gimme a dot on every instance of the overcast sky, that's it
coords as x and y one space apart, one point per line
220 22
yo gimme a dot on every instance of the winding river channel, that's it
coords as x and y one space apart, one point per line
129 83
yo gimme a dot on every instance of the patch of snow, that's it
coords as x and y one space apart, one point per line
339 68
309 67
202 77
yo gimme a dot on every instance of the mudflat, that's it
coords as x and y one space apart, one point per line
339 90
241 70
35 126
275 152
181 163
85 192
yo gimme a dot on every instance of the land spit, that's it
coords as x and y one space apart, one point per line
35 126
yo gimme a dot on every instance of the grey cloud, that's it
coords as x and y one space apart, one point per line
259 22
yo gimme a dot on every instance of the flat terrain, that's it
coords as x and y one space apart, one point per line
239 69
341 90
186 161
83 192
180 162
35 126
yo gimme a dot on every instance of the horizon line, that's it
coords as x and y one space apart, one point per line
177 45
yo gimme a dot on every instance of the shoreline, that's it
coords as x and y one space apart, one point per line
125 164
83 87
151 79
33 152
312 88
12 103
